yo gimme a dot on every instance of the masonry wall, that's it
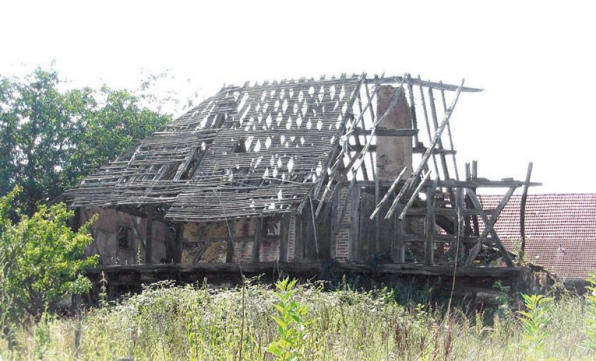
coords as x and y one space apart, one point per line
342 240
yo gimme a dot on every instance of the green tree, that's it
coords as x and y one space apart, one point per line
41 260
51 138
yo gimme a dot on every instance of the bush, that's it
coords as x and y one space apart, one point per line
41 260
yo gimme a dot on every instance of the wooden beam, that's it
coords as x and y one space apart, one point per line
399 255
149 210
459 246
522 211
427 123
444 102
353 245
386 196
425 83
429 251
485 183
230 242
412 108
314 226
315 267
256 246
489 226
433 112
413 197
283 247
357 161
416 174
385 132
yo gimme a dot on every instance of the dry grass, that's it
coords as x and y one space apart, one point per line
182 323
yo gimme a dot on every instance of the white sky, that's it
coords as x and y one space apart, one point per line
535 59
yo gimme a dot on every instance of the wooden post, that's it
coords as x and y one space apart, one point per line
284 233
230 242
433 112
150 209
430 224
354 240
399 254
459 200
179 242
256 246
450 137
522 211
377 220
426 121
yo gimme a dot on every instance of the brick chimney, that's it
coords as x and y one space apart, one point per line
393 153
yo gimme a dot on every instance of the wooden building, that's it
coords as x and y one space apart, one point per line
292 174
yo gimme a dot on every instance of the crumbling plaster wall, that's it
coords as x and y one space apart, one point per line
105 237
207 242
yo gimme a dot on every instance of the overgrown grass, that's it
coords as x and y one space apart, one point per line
199 323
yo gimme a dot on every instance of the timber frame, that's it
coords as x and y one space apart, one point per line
307 154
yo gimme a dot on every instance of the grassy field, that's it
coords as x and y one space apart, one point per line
255 322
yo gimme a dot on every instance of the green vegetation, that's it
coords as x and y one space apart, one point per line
41 260
50 137
254 322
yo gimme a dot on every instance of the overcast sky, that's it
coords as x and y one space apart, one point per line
535 59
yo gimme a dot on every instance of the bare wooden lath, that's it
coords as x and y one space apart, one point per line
263 149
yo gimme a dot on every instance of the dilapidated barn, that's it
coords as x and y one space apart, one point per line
291 174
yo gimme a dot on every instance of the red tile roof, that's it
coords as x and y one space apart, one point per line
560 231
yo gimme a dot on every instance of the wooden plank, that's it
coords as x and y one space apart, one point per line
386 196
413 197
433 112
285 228
416 175
230 242
459 246
429 250
314 226
428 130
413 108
485 183
316 267
354 240
149 210
455 167
372 119
256 246
386 132
357 161
377 200
349 113
138 234
425 83
522 210
400 244
367 244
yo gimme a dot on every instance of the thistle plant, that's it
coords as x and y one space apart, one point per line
535 321
291 323
590 320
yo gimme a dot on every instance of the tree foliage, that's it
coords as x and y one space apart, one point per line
50 138
41 260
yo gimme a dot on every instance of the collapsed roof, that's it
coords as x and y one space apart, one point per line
268 148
